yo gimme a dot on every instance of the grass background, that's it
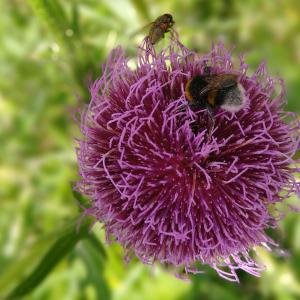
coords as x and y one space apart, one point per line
49 50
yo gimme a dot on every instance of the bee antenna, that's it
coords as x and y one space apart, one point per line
207 69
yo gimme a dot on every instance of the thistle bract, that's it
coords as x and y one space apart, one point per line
168 194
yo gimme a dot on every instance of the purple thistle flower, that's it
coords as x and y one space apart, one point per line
169 195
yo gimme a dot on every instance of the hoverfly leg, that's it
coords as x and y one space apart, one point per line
173 34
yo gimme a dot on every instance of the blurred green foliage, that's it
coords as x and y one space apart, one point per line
50 49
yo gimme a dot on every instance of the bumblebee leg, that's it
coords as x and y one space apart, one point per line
195 106
194 127
182 108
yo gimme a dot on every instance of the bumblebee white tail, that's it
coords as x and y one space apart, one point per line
235 99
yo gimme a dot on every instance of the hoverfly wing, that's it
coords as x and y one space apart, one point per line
141 29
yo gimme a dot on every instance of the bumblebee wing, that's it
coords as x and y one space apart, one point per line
220 81
228 81
208 88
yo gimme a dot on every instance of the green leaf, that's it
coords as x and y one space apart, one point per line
94 261
82 201
59 248
97 245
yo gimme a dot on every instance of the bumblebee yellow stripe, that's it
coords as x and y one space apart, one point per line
187 91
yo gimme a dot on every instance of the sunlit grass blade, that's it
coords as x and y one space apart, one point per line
75 19
142 9
54 17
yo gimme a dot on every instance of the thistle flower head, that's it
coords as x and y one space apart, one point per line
168 194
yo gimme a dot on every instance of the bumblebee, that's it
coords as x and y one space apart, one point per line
159 27
211 91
